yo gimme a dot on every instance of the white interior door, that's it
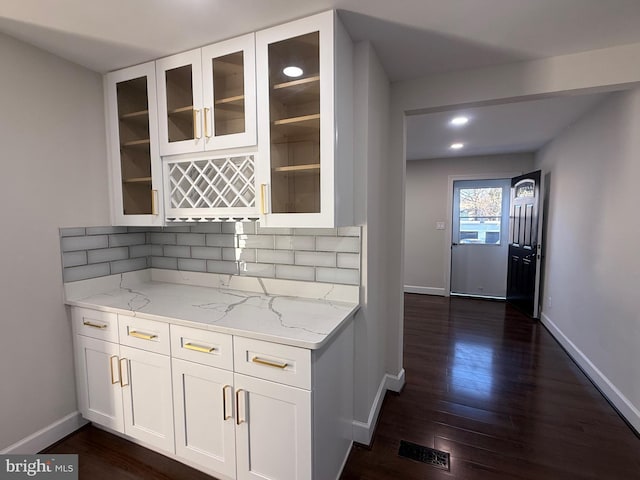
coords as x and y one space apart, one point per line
479 243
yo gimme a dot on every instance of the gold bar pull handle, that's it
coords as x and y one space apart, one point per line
195 125
263 198
225 414
143 336
269 363
125 369
113 381
154 202
206 122
87 323
238 419
198 348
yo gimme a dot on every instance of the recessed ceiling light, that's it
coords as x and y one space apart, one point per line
292 71
456 146
459 121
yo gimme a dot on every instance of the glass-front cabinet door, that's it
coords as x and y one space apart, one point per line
180 112
229 82
207 98
136 175
298 128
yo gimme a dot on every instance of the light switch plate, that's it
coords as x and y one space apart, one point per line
439 225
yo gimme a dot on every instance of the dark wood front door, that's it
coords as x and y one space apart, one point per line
524 243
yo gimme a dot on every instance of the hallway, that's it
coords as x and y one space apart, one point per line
496 391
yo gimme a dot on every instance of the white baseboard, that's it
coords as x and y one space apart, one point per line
49 435
615 396
363 431
424 290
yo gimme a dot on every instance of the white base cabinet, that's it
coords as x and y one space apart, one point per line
242 408
125 389
146 392
273 435
204 416
98 383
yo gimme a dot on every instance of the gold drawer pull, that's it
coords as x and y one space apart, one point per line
238 419
198 348
263 198
144 336
125 369
94 325
113 381
269 363
225 415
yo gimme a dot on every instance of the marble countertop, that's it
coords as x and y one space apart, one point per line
286 319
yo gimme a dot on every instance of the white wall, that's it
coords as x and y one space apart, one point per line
54 173
592 268
371 130
426 203
595 70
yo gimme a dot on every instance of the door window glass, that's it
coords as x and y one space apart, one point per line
480 212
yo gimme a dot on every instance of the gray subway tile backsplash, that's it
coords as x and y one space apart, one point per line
72 232
220 240
182 251
295 243
255 241
136 251
316 259
125 239
236 248
196 239
207 253
338 244
285 257
257 269
73 274
192 265
70 244
105 230
129 265
218 266
163 238
107 254
338 275
73 259
348 260
169 263
293 272
239 254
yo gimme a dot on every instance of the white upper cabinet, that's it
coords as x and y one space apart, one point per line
206 98
229 81
135 167
305 123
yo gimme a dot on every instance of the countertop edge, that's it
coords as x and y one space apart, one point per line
216 328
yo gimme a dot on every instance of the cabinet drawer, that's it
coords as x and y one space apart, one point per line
272 361
144 334
96 324
201 346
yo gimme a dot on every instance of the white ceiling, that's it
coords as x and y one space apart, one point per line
495 129
412 37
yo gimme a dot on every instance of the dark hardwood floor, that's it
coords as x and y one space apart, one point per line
495 390
483 382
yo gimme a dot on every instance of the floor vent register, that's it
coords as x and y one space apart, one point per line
430 456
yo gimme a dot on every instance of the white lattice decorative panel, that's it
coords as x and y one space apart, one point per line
214 186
